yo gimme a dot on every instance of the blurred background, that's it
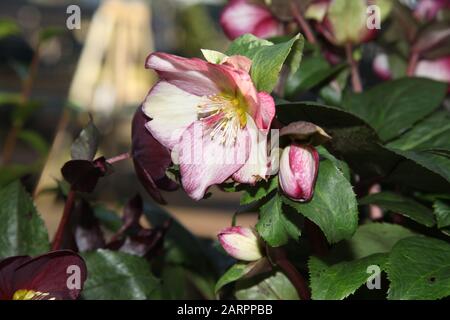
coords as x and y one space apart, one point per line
60 62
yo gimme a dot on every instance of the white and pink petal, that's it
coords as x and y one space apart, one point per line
172 110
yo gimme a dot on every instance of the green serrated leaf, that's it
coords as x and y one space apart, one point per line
341 165
419 268
268 61
247 45
85 145
268 58
258 192
119 276
333 207
400 204
276 226
22 231
338 281
273 287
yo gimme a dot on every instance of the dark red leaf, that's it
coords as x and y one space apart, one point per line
83 175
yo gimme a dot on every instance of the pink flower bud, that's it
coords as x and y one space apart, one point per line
241 243
299 165
243 16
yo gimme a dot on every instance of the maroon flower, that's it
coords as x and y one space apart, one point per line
57 275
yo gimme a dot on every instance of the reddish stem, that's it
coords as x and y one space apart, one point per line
356 79
118 158
316 238
278 257
412 64
303 24
57 241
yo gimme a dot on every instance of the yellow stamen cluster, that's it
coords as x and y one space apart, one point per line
231 114
25 294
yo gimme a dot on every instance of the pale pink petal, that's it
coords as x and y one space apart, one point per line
240 17
381 67
194 75
258 163
434 69
238 62
172 110
205 161
265 112
286 176
241 243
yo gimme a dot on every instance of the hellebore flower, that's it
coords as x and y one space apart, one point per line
438 69
427 10
241 16
56 275
299 165
209 116
241 243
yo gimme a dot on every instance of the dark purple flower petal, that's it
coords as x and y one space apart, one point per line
50 273
150 158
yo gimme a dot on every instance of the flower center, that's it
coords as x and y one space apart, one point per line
224 115
24 294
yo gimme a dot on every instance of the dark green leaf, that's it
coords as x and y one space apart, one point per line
369 239
313 71
273 287
419 268
333 207
12 172
119 276
22 231
259 191
442 213
436 163
432 132
338 281
276 226
341 165
355 142
399 204
85 145
403 103
236 272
